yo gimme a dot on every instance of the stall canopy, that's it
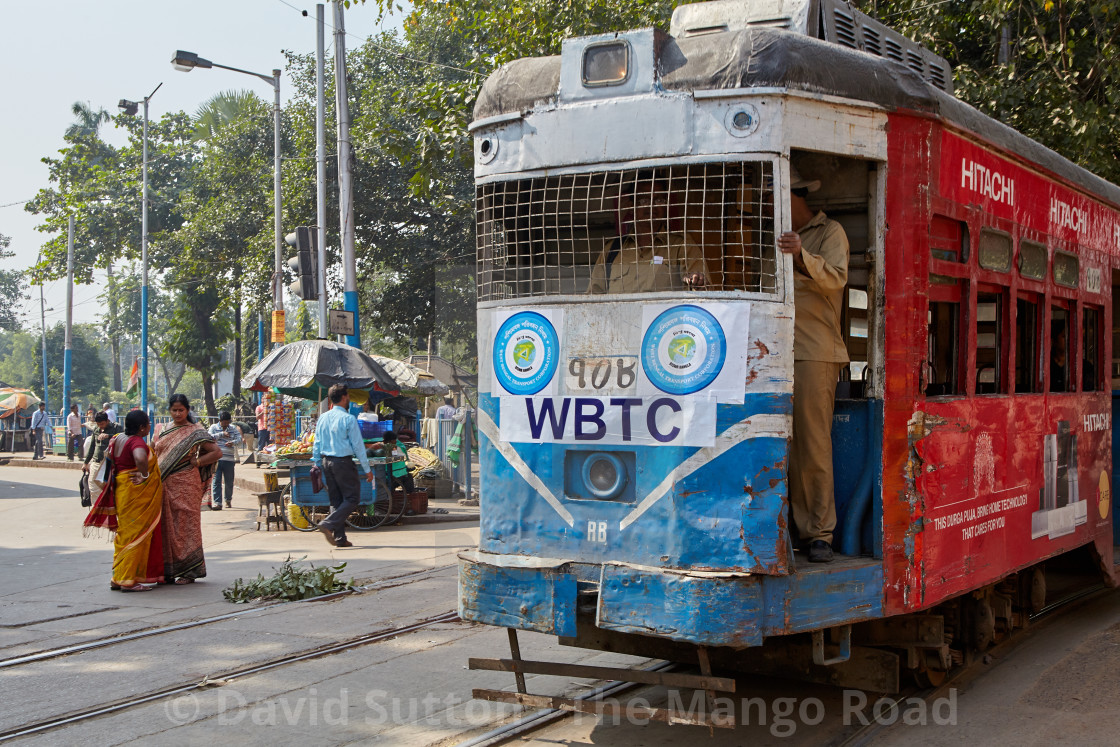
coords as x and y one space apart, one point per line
412 380
309 368
17 402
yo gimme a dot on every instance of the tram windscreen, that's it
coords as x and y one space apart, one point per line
704 227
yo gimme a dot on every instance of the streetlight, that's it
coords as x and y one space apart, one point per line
130 108
187 61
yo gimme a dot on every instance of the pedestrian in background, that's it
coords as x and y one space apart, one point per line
107 408
338 442
262 426
40 421
446 411
73 434
227 436
95 453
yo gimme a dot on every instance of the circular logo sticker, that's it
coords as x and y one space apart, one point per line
1104 495
526 350
683 350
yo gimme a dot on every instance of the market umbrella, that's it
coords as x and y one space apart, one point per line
412 379
17 402
308 368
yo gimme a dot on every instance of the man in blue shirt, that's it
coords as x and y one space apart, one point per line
40 421
338 442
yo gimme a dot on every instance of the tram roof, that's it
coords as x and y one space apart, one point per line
762 58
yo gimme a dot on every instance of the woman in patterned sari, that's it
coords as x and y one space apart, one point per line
186 455
130 507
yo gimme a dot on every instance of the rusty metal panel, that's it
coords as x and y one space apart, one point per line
534 597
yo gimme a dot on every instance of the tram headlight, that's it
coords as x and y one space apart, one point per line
604 475
606 64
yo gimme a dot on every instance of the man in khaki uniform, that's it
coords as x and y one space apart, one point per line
820 263
650 258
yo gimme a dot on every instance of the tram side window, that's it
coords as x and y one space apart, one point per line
989 361
948 239
1091 350
1060 350
629 231
943 375
1027 336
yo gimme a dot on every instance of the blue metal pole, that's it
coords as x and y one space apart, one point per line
350 303
144 263
66 355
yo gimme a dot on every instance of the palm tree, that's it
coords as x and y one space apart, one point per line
221 109
87 121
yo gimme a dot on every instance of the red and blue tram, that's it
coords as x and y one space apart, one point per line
634 440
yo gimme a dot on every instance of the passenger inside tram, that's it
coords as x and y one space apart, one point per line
819 248
648 256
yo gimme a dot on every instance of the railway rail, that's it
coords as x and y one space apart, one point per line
46 725
78 648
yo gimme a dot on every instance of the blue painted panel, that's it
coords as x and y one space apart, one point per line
729 514
540 599
857 434
738 611
820 596
704 610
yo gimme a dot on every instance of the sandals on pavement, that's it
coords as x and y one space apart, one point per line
137 587
183 581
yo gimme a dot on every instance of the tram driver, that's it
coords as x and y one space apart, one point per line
650 257
820 262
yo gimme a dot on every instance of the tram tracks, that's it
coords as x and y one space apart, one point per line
1037 624
79 648
223 678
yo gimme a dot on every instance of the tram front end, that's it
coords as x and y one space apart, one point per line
635 327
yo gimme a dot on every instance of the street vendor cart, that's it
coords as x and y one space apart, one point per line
304 509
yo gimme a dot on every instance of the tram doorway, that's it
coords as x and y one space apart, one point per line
849 194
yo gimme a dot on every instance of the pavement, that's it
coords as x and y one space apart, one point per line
413 689
250 479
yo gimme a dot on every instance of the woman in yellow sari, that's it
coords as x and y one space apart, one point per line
130 507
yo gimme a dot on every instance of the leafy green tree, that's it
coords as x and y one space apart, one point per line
227 241
124 291
1055 80
301 330
87 120
88 379
221 109
12 293
21 364
196 333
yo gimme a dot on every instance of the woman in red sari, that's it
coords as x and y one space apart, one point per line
130 507
186 455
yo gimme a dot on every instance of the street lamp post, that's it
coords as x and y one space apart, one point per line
187 61
130 107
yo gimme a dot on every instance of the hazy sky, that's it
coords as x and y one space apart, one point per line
57 52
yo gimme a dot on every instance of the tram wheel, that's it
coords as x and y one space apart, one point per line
929 673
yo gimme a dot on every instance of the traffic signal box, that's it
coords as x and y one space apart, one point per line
305 264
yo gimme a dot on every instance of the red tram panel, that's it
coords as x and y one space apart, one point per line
998 471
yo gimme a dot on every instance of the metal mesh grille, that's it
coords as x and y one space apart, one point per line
628 231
